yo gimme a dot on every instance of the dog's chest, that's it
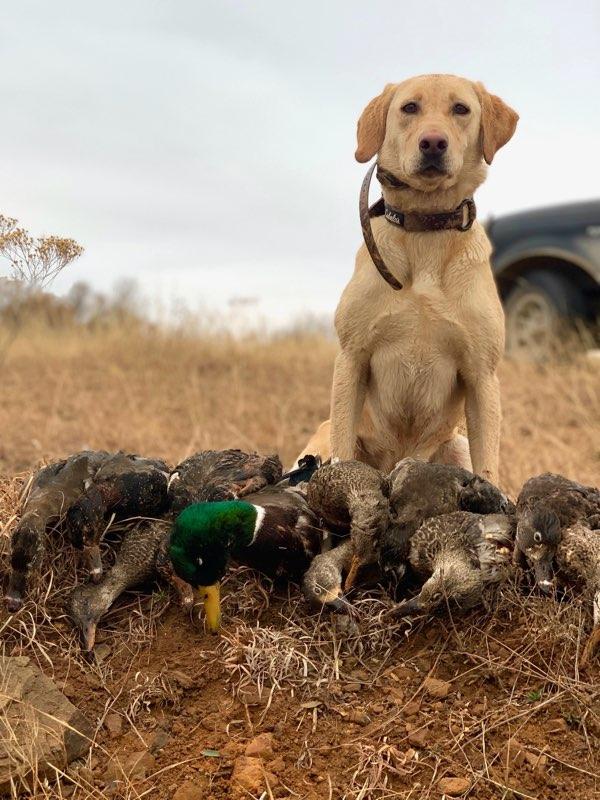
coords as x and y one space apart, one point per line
415 344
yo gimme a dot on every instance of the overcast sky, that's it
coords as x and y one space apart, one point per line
206 148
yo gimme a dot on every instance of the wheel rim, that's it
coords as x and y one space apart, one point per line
531 325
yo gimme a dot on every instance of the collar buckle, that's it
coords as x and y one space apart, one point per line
469 213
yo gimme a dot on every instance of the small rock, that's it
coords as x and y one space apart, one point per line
160 739
454 787
377 708
102 652
417 736
352 687
189 791
516 752
181 678
358 717
277 765
558 725
35 711
249 774
114 724
412 708
136 766
85 775
261 746
232 749
537 763
436 688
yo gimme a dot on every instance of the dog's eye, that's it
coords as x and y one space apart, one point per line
460 108
410 108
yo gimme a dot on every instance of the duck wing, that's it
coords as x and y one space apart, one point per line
289 538
221 475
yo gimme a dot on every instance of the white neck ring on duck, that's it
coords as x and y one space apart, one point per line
260 516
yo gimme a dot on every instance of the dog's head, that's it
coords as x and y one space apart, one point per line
435 131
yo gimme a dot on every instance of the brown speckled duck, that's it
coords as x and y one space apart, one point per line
124 486
52 492
221 475
352 496
137 561
421 490
547 505
460 555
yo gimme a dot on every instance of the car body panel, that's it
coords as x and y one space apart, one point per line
568 232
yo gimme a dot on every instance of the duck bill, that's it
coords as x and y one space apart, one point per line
88 634
544 577
352 573
408 608
340 605
212 606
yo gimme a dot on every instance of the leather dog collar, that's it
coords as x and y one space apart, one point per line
461 219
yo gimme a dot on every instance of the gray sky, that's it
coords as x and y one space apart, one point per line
206 148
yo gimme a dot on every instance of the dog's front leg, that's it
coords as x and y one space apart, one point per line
482 408
347 400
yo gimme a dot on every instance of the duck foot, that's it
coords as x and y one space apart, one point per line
589 651
94 562
164 568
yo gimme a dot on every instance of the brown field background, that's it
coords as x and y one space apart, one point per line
170 393
348 716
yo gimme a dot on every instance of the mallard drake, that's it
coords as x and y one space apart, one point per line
136 562
221 475
124 486
353 496
273 531
548 504
420 490
52 491
460 555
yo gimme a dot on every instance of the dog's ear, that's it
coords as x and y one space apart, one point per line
371 125
498 122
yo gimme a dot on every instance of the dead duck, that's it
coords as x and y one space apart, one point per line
460 555
124 486
547 505
352 496
569 554
52 492
420 490
137 561
322 584
273 531
323 581
221 475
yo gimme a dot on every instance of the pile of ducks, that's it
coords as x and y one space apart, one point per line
451 536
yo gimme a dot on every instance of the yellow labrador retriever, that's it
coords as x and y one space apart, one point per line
415 361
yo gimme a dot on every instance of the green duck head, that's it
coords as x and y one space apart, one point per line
205 536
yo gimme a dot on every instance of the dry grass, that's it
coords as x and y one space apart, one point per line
349 699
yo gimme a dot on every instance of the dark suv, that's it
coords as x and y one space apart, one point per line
547 267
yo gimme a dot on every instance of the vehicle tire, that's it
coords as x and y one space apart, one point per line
538 309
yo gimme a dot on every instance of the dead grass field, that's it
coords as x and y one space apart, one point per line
351 713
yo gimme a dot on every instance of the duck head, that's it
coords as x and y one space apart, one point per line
88 604
204 538
538 536
482 497
454 581
322 586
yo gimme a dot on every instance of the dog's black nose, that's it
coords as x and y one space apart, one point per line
433 143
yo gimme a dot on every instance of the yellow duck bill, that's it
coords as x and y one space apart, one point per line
211 596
